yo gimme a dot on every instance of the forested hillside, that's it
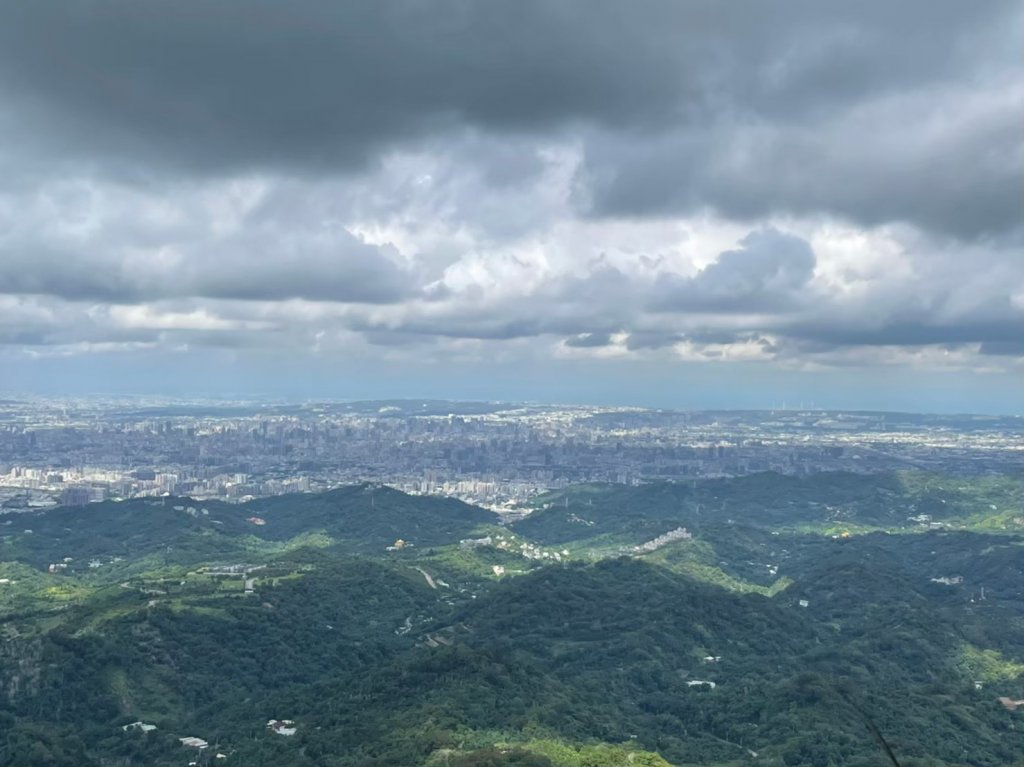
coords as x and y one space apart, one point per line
764 636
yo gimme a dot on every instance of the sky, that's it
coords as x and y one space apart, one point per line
679 203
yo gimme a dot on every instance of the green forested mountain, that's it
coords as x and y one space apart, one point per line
833 501
356 518
773 635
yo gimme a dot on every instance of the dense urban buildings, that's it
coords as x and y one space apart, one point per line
77 451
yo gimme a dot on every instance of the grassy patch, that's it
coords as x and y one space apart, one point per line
694 558
989 665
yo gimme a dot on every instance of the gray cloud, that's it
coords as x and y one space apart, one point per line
346 271
316 85
763 292
994 337
588 340
42 270
651 340
418 179
747 109
766 273
65 327
332 266
898 160
1014 348
396 338
263 254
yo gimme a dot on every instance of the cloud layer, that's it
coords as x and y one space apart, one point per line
805 186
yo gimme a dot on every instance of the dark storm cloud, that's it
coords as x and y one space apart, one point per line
747 108
319 84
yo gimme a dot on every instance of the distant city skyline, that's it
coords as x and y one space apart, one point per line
75 451
665 204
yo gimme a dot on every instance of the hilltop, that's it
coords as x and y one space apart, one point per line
362 517
828 502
